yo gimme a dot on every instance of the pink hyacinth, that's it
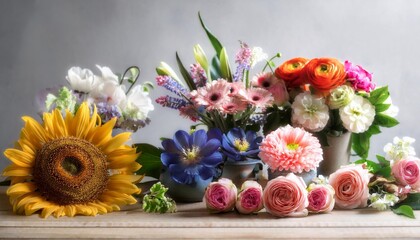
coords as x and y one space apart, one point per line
360 79
213 95
291 149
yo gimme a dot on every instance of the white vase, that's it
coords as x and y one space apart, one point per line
337 154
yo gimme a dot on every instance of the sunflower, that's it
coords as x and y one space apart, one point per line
72 165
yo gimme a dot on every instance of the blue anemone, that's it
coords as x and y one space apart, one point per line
188 156
238 145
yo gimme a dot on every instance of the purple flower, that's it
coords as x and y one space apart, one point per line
108 111
190 156
171 102
171 85
198 75
238 145
243 59
359 78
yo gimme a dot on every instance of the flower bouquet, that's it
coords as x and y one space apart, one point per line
108 92
331 99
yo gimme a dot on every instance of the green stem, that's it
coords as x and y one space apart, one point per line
278 55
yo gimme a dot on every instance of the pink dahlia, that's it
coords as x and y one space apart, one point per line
258 97
213 95
291 149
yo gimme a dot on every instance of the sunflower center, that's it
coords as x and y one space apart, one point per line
241 145
70 170
292 146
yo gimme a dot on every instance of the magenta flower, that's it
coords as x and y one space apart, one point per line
360 79
250 198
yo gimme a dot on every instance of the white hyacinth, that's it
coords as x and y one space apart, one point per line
81 80
400 149
310 112
384 202
257 55
358 115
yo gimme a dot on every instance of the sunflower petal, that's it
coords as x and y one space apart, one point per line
46 212
35 131
21 188
116 142
16 171
20 158
128 178
123 186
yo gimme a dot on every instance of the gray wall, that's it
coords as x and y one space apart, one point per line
40 40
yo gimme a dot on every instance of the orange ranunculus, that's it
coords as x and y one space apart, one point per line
290 72
325 74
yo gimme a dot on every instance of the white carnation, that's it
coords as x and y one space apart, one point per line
310 112
358 115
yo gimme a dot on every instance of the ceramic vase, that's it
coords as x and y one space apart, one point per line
306 176
337 154
240 171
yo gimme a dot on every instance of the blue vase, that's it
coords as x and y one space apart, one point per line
240 171
186 193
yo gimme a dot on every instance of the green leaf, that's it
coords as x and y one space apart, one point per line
215 69
373 130
201 57
157 202
385 120
224 66
382 160
213 40
382 107
384 172
373 167
412 200
404 210
379 95
187 77
5 183
149 159
360 161
361 144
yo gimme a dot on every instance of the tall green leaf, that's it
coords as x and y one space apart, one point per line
213 40
224 65
215 68
187 77
149 159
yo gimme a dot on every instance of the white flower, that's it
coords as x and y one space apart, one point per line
382 202
109 92
358 115
401 149
81 80
310 112
393 110
257 55
106 75
138 104
340 97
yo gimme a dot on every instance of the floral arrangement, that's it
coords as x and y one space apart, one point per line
108 92
391 183
212 95
331 97
239 145
71 165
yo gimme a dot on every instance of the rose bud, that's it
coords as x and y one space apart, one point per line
321 198
250 198
407 172
220 196
286 196
350 184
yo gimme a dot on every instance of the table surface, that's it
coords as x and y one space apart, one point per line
193 221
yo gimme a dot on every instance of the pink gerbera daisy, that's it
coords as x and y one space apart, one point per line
264 80
234 105
213 95
259 97
275 86
291 149
189 111
236 88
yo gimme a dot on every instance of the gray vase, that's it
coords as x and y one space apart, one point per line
306 176
337 154
186 193
240 171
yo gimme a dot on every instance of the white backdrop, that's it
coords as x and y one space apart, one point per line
41 40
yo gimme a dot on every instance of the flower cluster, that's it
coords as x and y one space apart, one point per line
130 106
331 97
212 95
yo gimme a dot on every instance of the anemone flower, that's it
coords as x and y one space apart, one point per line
189 156
72 165
238 145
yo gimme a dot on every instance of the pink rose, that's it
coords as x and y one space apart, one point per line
407 172
321 198
350 184
359 78
220 196
250 198
286 196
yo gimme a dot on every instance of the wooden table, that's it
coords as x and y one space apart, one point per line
193 221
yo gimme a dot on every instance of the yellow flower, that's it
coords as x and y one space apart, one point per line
72 165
